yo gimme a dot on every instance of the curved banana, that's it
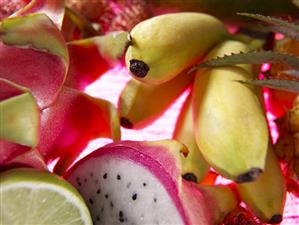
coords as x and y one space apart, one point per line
165 45
194 167
140 104
266 196
224 203
230 125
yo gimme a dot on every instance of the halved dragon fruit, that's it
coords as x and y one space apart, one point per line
140 183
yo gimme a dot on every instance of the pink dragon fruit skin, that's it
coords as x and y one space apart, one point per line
16 65
18 136
90 58
9 90
104 180
53 8
71 122
8 7
33 54
13 156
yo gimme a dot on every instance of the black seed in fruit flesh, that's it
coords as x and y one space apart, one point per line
134 196
105 176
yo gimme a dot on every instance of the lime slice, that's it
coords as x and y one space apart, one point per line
31 197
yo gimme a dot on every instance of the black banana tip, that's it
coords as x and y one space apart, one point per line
275 219
249 176
190 177
138 68
124 122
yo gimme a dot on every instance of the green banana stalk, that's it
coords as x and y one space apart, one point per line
230 125
266 196
140 104
194 166
163 46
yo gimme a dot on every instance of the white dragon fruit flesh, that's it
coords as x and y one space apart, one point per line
139 183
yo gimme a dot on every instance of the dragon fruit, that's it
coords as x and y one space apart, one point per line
105 52
8 7
112 15
81 119
19 48
140 183
54 9
44 119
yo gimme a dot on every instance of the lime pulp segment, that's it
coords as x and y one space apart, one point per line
39 203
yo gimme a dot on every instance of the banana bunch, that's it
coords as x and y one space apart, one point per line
222 122
160 53
159 57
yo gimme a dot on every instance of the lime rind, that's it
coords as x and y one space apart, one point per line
43 190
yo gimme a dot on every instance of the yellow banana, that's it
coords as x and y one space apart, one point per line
226 201
266 196
163 46
140 104
230 125
194 166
